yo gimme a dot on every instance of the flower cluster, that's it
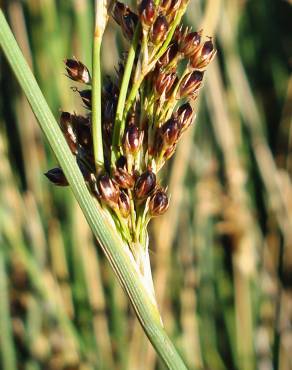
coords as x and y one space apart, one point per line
157 111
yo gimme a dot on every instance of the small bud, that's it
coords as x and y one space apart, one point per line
180 34
204 56
169 152
77 71
57 177
124 204
190 84
169 55
175 5
86 97
164 82
159 30
108 192
165 5
145 184
132 140
121 162
68 131
184 116
125 18
190 43
158 203
147 13
169 132
123 178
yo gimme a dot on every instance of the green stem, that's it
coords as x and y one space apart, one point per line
96 90
110 241
119 126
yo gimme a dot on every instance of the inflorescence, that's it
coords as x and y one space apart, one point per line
165 80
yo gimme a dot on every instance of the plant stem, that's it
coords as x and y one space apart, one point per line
110 241
119 126
100 21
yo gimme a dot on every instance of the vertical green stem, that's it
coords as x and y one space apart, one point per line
100 20
120 119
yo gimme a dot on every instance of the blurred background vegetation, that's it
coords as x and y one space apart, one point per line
222 254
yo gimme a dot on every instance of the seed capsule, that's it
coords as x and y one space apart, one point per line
57 177
67 127
165 5
190 43
125 18
147 13
86 97
108 192
124 204
132 140
169 132
164 82
204 56
159 30
158 203
123 178
169 55
145 184
77 71
184 116
190 84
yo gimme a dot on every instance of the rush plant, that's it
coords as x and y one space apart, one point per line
111 155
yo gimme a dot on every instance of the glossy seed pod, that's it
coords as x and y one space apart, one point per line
159 30
159 203
147 13
86 97
203 56
145 184
164 83
123 178
132 140
77 71
124 204
190 84
169 55
108 191
185 116
190 43
67 127
169 132
57 177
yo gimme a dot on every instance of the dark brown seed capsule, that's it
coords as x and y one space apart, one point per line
204 56
122 162
164 82
184 116
77 71
57 177
84 136
86 97
159 30
169 132
132 140
158 203
165 5
124 204
123 178
147 13
190 43
129 24
68 130
190 84
145 184
109 193
169 55
175 5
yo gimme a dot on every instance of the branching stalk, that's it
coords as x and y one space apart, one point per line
101 224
